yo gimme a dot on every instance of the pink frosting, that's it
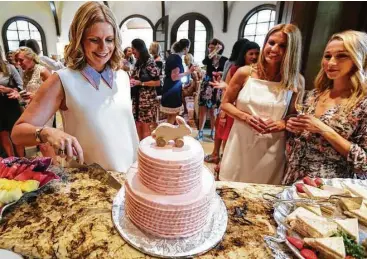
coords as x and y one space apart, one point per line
170 170
169 216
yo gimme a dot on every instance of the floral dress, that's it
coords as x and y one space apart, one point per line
144 97
311 154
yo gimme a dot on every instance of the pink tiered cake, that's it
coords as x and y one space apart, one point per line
169 191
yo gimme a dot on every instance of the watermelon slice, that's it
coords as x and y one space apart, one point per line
3 169
25 175
50 176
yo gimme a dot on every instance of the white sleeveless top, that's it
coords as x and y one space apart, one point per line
101 120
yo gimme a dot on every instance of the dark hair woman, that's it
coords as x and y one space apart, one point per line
209 97
236 50
10 83
144 80
171 102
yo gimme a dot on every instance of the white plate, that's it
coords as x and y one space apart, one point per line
6 254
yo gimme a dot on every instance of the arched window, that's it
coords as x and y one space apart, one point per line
22 28
198 29
256 24
136 27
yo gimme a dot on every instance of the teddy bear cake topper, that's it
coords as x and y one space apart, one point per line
166 132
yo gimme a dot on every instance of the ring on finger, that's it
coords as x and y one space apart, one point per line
61 152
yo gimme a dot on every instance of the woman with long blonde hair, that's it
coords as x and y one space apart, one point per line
93 95
331 137
255 148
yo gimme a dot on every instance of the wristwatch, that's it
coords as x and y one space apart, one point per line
38 135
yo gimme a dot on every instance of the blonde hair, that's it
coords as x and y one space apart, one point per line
86 16
355 42
3 66
155 49
190 58
291 62
28 53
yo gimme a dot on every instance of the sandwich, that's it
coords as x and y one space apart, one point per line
316 193
356 189
333 190
313 227
313 208
350 203
331 247
302 211
349 226
360 213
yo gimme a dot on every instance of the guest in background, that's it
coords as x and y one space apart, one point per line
10 57
258 98
330 138
192 81
128 61
93 95
167 53
247 55
209 98
45 61
171 102
10 111
34 75
144 80
155 51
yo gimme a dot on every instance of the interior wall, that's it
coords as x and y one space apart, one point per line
213 10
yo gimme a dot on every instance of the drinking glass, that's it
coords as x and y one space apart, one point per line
299 104
265 112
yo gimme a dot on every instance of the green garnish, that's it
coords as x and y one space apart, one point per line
351 247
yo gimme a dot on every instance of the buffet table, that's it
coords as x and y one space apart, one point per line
72 219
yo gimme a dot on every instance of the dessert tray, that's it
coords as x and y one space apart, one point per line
284 205
200 243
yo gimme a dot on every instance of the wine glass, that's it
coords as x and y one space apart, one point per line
265 112
299 104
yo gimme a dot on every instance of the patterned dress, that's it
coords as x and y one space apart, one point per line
311 154
144 97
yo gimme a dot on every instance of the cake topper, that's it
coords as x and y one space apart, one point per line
166 132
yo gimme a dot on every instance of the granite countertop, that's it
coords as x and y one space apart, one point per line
72 219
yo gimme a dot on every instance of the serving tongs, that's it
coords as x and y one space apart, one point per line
332 200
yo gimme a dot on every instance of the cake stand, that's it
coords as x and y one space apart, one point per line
197 244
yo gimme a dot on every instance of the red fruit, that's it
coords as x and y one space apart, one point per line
3 169
307 180
50 176
308 254
11 171
299 187
296 242
26 175
319 182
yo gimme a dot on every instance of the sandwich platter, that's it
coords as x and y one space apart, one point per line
317 218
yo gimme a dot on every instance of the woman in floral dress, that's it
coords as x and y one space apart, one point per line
330 141
144 80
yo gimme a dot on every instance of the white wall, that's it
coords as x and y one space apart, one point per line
40 11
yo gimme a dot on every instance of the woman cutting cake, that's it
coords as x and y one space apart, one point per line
92 94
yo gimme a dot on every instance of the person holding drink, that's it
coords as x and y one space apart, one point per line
330 133
262 93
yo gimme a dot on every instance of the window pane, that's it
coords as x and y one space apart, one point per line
13 45
252 19
262 28
159 36
12 35
35 35
200 35
198 57
32 27
22 25
23 35
272 16
182 35
200 46
184 26
250 29
260 40
12 26
199 25
271 25
264 16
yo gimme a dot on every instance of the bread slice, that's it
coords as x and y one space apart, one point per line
313 227
302 211
331 247
313 208
350 203
356 189
360 213
315 193
350 226
333 190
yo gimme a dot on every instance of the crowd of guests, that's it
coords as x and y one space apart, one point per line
270 129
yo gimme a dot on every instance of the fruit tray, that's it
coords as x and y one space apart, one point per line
279 245
22 177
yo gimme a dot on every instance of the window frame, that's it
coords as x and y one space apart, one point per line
241 31
191 17
27 19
